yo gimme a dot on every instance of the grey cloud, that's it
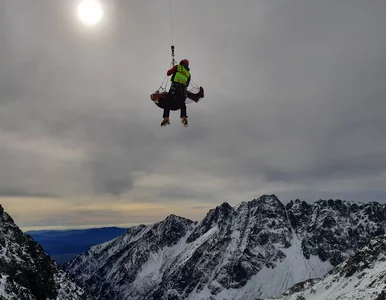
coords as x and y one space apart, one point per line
110 178
200 207
294 99
23 194
81 217
184 192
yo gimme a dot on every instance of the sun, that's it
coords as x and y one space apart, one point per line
90 12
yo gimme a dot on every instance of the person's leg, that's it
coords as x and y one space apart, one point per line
184 121
183 111
166 120
166 113
182 98
184 116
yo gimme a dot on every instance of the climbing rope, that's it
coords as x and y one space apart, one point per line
171 21
164 84
171 32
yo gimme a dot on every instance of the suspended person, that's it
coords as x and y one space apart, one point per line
180 78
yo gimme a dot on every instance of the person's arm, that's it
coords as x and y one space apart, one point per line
172 70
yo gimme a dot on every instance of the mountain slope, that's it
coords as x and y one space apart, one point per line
258 249
334 230
26 272
131 263
362 276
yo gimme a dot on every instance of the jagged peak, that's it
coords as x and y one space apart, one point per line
218 210
218 216
171 221
371 208
5 217
225 205
332 202
236 207
175 218
223 209
265 201
266 197
374 204
215 213
297 202
268 202
336 204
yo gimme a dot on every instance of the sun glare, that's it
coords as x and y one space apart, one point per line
90 12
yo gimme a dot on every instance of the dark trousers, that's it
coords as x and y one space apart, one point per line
176 100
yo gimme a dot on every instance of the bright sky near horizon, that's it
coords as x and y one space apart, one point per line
294 106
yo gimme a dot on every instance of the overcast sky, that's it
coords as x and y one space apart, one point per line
295 105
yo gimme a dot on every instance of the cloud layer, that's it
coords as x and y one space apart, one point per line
295 105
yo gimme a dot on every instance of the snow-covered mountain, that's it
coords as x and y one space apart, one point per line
26 272
259 248
360 277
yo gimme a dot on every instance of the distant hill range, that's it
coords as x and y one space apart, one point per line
64 245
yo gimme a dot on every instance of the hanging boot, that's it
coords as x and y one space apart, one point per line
165 122
184 121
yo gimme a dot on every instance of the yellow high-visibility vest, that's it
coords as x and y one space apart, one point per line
182 75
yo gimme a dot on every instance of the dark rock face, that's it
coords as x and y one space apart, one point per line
218 216
361 276
27 271
331 228
178 258
373 252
